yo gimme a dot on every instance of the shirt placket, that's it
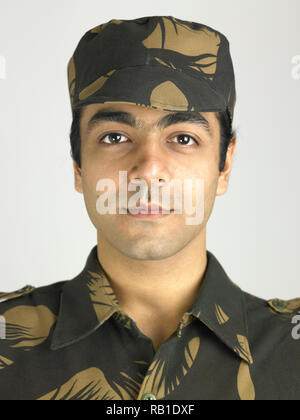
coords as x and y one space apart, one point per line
153 386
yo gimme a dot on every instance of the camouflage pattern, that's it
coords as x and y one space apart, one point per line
158 61
71 340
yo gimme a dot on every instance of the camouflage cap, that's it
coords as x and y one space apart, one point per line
157 61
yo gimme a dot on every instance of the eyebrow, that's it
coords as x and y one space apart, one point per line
166 121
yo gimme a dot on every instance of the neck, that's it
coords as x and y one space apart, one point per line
170 285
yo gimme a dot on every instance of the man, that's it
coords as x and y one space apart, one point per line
153 315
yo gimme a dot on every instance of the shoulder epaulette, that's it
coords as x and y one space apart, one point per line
285 306
4 296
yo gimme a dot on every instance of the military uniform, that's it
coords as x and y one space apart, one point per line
72 341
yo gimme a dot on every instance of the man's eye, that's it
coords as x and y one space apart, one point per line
185 138
114 136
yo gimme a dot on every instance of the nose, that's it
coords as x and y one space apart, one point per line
150 165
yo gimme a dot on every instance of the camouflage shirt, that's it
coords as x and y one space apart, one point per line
72 341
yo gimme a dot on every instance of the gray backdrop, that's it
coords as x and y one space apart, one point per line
46 234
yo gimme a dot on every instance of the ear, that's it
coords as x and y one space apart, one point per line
225 174
77 177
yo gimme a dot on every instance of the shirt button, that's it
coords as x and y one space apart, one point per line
148 397
279 304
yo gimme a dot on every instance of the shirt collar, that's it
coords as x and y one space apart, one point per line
220 305
88 301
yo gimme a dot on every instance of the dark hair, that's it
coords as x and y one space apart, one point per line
227 133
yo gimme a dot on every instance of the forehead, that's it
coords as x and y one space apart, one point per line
145 118
145 113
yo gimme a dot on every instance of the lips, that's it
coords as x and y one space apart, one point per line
158 209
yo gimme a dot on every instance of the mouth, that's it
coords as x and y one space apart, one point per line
157 212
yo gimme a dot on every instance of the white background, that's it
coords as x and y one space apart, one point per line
45 232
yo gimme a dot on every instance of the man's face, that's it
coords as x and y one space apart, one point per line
184 150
